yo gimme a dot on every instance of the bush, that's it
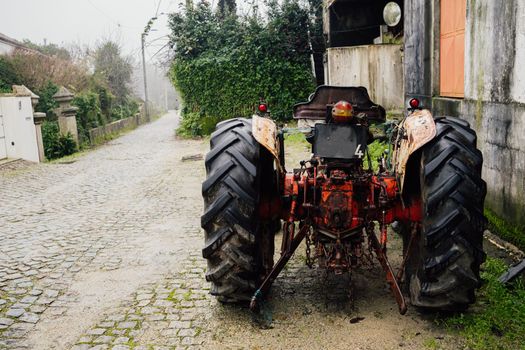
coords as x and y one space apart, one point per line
196 124
129 108
89 114
8 75
36 70
55 144
46 102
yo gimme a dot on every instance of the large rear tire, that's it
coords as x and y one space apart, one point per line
239 247
443 269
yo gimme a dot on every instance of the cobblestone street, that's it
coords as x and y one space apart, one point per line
103 251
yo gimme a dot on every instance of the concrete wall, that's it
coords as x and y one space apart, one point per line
19 127
494 100
379 68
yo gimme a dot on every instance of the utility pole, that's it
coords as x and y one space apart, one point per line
146 107
166 94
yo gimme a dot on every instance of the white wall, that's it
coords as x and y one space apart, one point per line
5 49
379 68
19 127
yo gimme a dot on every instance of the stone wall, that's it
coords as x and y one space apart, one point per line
494 102
99 133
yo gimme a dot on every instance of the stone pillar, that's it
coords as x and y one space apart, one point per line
67 119
39 118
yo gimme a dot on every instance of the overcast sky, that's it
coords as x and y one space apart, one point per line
86 21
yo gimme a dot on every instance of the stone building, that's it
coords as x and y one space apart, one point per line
466 58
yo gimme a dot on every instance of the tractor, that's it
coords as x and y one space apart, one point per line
428 188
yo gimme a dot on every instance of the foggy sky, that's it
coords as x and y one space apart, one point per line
86 21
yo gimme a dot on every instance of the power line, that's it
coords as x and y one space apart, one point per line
158 7
111 19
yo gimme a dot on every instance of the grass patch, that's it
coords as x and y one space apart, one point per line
173 298
296 138
375 149
497 320
187 296
504 229
431 343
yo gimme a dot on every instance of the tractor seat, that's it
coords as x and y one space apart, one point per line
315 109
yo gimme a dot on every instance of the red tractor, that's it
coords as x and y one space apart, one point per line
429 186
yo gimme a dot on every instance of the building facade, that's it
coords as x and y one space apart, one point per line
9 45
466 58
363 51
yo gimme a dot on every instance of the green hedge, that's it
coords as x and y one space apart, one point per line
225 66
219 88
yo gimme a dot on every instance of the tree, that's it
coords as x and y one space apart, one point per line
226 8
114 68
49 49
317 38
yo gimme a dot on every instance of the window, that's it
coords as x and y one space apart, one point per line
452 48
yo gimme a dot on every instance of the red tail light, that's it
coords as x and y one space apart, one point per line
414 103
263 108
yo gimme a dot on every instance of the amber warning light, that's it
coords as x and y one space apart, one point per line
342 112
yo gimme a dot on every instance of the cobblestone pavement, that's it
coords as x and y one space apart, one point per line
102 251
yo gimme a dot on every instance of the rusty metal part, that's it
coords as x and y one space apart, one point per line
309 260
264 131
336 203
293 243
415 131
413 234
390 277
326 96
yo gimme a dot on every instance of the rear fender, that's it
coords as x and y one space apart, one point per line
264 131
415 131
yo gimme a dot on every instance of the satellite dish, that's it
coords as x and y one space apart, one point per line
392 14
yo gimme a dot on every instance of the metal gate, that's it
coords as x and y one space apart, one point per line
3 149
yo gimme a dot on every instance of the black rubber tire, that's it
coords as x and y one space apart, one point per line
443 270
238 247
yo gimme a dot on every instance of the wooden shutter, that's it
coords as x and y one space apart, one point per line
452 48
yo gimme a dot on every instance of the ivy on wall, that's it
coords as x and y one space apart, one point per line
225 64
